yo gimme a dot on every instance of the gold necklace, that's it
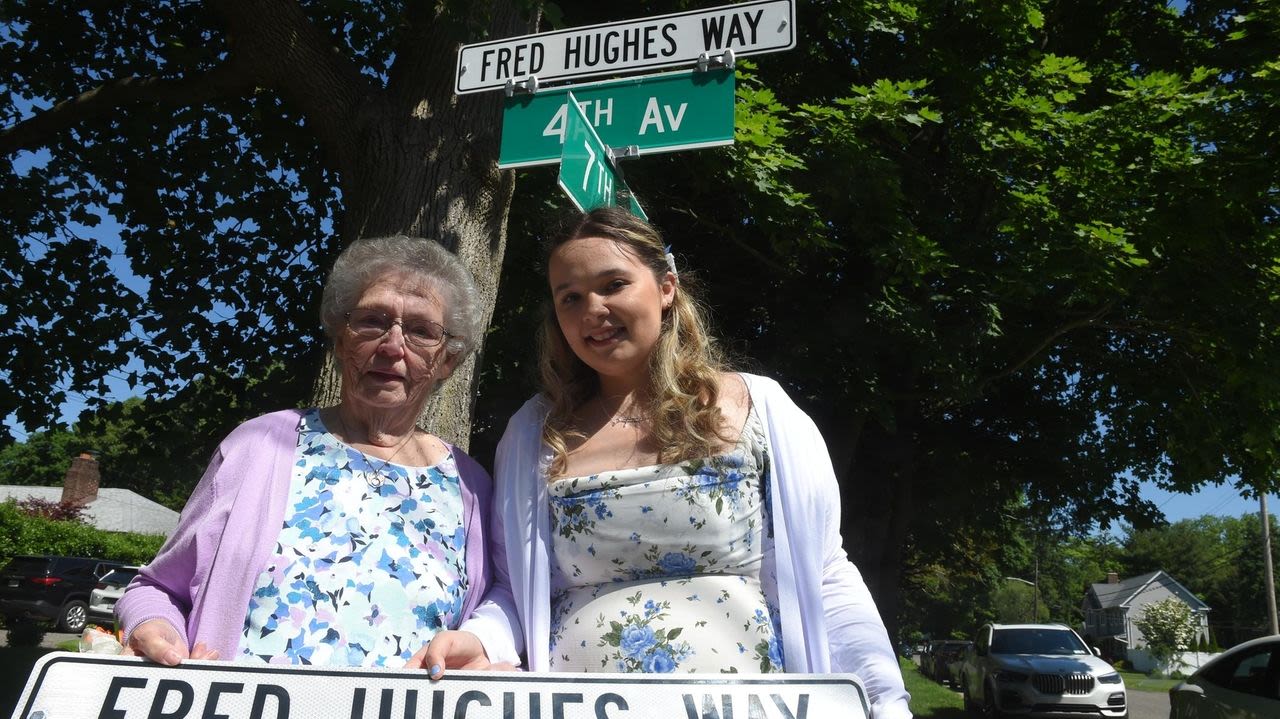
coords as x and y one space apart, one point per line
373 478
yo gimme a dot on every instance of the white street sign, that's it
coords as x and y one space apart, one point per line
749 28
94 686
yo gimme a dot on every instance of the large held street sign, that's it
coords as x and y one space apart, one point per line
89 686
679 39
587 173
653 113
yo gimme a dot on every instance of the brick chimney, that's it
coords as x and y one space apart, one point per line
1113 578
81 484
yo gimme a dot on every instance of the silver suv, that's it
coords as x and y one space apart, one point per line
1039 670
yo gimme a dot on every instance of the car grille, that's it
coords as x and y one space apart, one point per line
1063 683
1065 709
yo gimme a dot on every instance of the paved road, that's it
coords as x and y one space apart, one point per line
50 641
1142 705
1148 705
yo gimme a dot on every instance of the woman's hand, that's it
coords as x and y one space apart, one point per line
453 649
157 640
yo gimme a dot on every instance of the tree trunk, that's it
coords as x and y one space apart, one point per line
419 160
454 194
876 491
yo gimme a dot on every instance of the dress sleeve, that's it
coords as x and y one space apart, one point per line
163 588
854 633
494 620
859 643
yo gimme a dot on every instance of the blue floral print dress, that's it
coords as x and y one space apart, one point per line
361 575
659 569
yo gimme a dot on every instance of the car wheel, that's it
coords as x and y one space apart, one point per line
75 614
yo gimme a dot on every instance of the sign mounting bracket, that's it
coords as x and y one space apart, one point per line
527 86
626 152
724 59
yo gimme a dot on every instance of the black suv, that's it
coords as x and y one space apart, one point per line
51 589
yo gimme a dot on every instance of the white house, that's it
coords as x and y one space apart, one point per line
1112 607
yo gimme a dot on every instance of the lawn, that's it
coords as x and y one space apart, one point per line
929 699
1144 683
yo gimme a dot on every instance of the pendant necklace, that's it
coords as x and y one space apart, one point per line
374 476
627 419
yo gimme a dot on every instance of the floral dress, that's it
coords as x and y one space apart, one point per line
361 575
659 568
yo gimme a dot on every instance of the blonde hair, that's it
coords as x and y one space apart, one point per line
684 369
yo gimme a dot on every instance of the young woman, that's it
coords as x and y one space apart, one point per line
659 513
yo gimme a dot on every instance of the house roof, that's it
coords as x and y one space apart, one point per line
1122 593
114 509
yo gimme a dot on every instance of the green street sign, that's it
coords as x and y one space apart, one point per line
587 172
655 113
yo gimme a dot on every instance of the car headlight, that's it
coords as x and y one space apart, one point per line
1112 678
1008 677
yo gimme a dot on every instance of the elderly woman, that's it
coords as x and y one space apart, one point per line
345 535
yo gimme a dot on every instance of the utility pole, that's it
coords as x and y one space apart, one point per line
1269 571
1035 589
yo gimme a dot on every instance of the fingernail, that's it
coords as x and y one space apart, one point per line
435 670
172 658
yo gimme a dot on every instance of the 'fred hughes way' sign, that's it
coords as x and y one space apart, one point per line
79 686
749 28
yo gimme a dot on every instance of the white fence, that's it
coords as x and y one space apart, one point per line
1186 662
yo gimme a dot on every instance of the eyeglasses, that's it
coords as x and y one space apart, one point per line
372 324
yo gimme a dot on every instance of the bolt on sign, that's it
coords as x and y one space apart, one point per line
644 45
64 685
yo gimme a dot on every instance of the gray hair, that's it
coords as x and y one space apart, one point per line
367 260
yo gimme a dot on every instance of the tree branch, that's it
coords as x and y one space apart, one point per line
281 48
1042 345
223 81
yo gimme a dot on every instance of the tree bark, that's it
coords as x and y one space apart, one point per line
411 157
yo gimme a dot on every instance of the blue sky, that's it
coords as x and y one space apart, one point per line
1222 500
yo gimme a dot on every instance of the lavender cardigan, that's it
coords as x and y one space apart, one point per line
201 579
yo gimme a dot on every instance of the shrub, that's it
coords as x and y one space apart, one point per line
21 533
1167 628
1123 665
60 511
24 632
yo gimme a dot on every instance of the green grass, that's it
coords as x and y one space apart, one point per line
1143 683
929 699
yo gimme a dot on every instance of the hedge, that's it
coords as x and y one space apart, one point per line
24 534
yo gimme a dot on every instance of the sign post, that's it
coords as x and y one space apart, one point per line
587 171
644 45
93 686
653 113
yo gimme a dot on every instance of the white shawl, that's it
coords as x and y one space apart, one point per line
829 620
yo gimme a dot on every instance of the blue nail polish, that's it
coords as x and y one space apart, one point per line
435 670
